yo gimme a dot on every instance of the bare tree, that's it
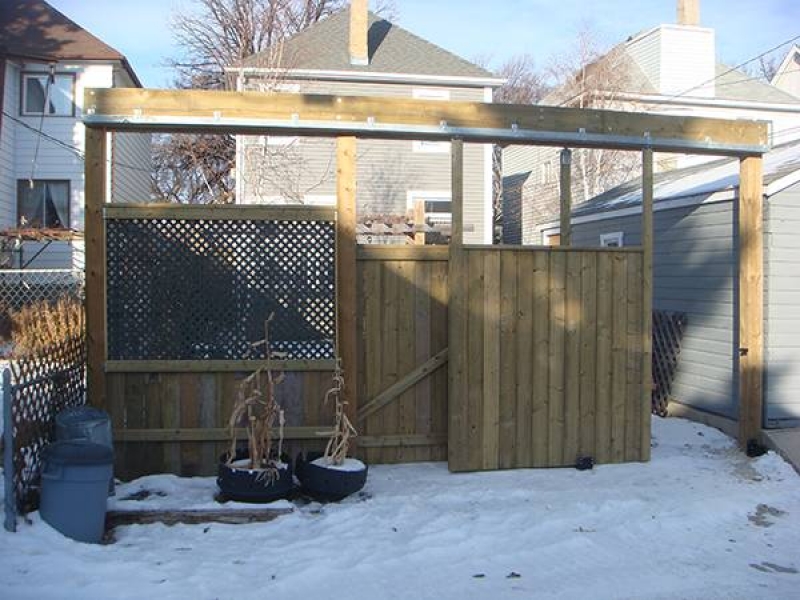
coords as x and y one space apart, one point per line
525 82
193 169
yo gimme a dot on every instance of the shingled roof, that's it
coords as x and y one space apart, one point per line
35 30
325 47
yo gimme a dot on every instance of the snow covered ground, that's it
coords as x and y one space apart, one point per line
700 521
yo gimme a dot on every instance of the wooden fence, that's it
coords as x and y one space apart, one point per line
546 360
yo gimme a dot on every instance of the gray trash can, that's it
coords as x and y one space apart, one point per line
88 424
75 478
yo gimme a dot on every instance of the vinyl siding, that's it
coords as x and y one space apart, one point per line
694 273
8 186
132 160
782 307
387 170
53 161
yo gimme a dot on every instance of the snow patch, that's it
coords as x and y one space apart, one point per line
350 465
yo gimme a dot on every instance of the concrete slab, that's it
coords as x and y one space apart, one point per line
785 442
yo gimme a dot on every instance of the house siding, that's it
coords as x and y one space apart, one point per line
8 186
387 170
53 161
694 272
131 155
782 308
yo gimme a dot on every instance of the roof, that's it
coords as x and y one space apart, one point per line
700 181
35 30
325 46
732 84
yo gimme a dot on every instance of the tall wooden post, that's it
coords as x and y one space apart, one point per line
458 443
751 298
647 300
347 328
566 198
95 240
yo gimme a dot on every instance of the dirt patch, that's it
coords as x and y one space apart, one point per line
761 518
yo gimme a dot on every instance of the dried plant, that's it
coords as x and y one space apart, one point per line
42 325
343 430
257 408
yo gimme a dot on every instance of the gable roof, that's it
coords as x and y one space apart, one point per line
325 46
781 169
732 84
35 30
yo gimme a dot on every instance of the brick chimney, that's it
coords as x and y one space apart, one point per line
689 13
359 24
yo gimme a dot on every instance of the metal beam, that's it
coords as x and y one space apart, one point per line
132 109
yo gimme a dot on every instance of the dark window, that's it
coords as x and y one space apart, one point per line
49 95
43 204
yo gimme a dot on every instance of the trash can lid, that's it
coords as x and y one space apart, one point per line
80 414
77 452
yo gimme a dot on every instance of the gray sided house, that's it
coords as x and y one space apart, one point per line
361 54
696 273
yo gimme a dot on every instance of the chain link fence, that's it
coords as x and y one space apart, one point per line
22 287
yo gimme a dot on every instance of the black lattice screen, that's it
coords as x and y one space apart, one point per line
202 289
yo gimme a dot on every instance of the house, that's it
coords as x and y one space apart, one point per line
357 53
696 273
787 77
670 69
46 62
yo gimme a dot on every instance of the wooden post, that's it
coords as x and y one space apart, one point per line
751 298
457 407
419 222
647 300
347 328
95 240
566 198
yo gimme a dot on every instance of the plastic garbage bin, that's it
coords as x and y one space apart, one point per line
75 478
88 424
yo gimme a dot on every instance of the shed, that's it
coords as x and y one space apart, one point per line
696 251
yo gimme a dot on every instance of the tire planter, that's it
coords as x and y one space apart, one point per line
326 484
249 485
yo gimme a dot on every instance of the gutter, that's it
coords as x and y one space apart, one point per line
708 102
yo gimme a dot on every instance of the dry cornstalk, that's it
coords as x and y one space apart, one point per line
257 408
343 430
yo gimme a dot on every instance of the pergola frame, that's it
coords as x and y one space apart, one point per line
348 118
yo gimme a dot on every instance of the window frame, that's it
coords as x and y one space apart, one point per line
23 93
607 240
21 183
412 196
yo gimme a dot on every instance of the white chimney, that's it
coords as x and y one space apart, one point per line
359 22
689 13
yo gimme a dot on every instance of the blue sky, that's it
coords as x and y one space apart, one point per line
498 29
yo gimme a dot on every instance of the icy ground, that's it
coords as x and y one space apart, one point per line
700 521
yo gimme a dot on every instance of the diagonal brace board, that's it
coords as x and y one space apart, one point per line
392 393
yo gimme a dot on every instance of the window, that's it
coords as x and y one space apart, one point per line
431 147
611 240
436 206
45 204
43 94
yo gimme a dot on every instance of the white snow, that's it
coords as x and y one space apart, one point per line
699 521
351 465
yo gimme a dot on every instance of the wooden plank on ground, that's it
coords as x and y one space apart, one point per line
238 516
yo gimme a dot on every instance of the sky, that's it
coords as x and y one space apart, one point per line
495 30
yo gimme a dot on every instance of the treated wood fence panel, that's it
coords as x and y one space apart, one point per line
402 323
551 347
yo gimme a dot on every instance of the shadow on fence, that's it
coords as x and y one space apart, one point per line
35 390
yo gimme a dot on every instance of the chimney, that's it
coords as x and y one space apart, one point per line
689 13
359 50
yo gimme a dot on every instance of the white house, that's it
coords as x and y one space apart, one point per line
46 63
670 69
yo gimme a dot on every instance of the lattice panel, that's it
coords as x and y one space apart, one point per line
668 331
42 386
202 289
